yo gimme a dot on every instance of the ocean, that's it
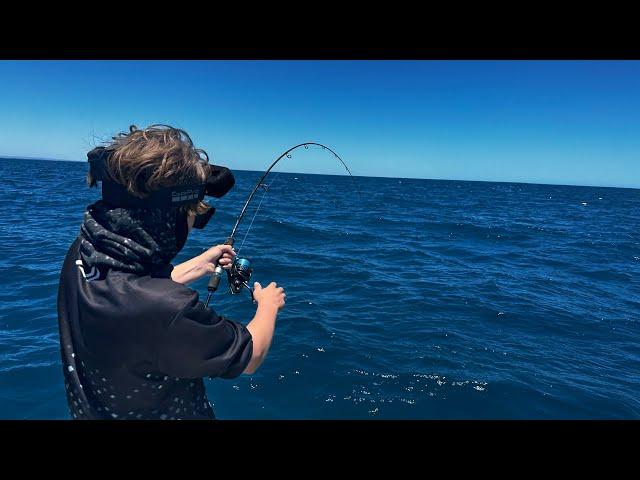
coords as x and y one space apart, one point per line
415 299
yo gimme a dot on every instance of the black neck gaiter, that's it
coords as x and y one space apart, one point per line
136 240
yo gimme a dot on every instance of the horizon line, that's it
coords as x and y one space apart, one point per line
5 157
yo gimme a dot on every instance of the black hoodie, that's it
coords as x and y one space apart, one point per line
134 343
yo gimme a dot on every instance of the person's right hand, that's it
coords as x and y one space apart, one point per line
270 295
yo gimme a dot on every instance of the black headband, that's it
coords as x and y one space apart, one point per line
219 181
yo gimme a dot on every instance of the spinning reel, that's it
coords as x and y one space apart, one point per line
239 275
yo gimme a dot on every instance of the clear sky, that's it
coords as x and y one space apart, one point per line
569 122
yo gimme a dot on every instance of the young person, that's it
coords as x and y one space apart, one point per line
135 341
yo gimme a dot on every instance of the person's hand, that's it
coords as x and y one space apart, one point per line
203 264
225 253
270 295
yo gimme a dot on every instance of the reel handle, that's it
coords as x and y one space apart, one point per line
246 285
216 276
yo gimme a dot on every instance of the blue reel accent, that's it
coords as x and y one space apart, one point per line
240 275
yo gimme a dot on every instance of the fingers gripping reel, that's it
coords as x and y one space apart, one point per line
238 276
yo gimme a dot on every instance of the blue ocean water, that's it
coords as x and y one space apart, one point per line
417 299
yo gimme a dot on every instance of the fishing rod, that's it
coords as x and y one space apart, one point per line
240 272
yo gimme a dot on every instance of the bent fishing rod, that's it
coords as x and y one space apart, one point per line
240 272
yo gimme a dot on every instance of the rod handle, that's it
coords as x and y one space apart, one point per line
216 276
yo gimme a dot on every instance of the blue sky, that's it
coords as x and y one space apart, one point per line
569 122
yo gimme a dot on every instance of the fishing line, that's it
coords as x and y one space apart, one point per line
266 190
240 272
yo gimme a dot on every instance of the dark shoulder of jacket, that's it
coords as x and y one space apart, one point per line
72 254
171 299
65 269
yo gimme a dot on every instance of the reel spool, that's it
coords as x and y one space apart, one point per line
239 275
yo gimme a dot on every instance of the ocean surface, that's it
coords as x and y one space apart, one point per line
418 299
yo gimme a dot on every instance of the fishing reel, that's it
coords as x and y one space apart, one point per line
239 275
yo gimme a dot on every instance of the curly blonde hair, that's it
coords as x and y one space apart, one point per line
144 160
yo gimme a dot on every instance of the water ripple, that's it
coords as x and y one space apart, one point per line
422 299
